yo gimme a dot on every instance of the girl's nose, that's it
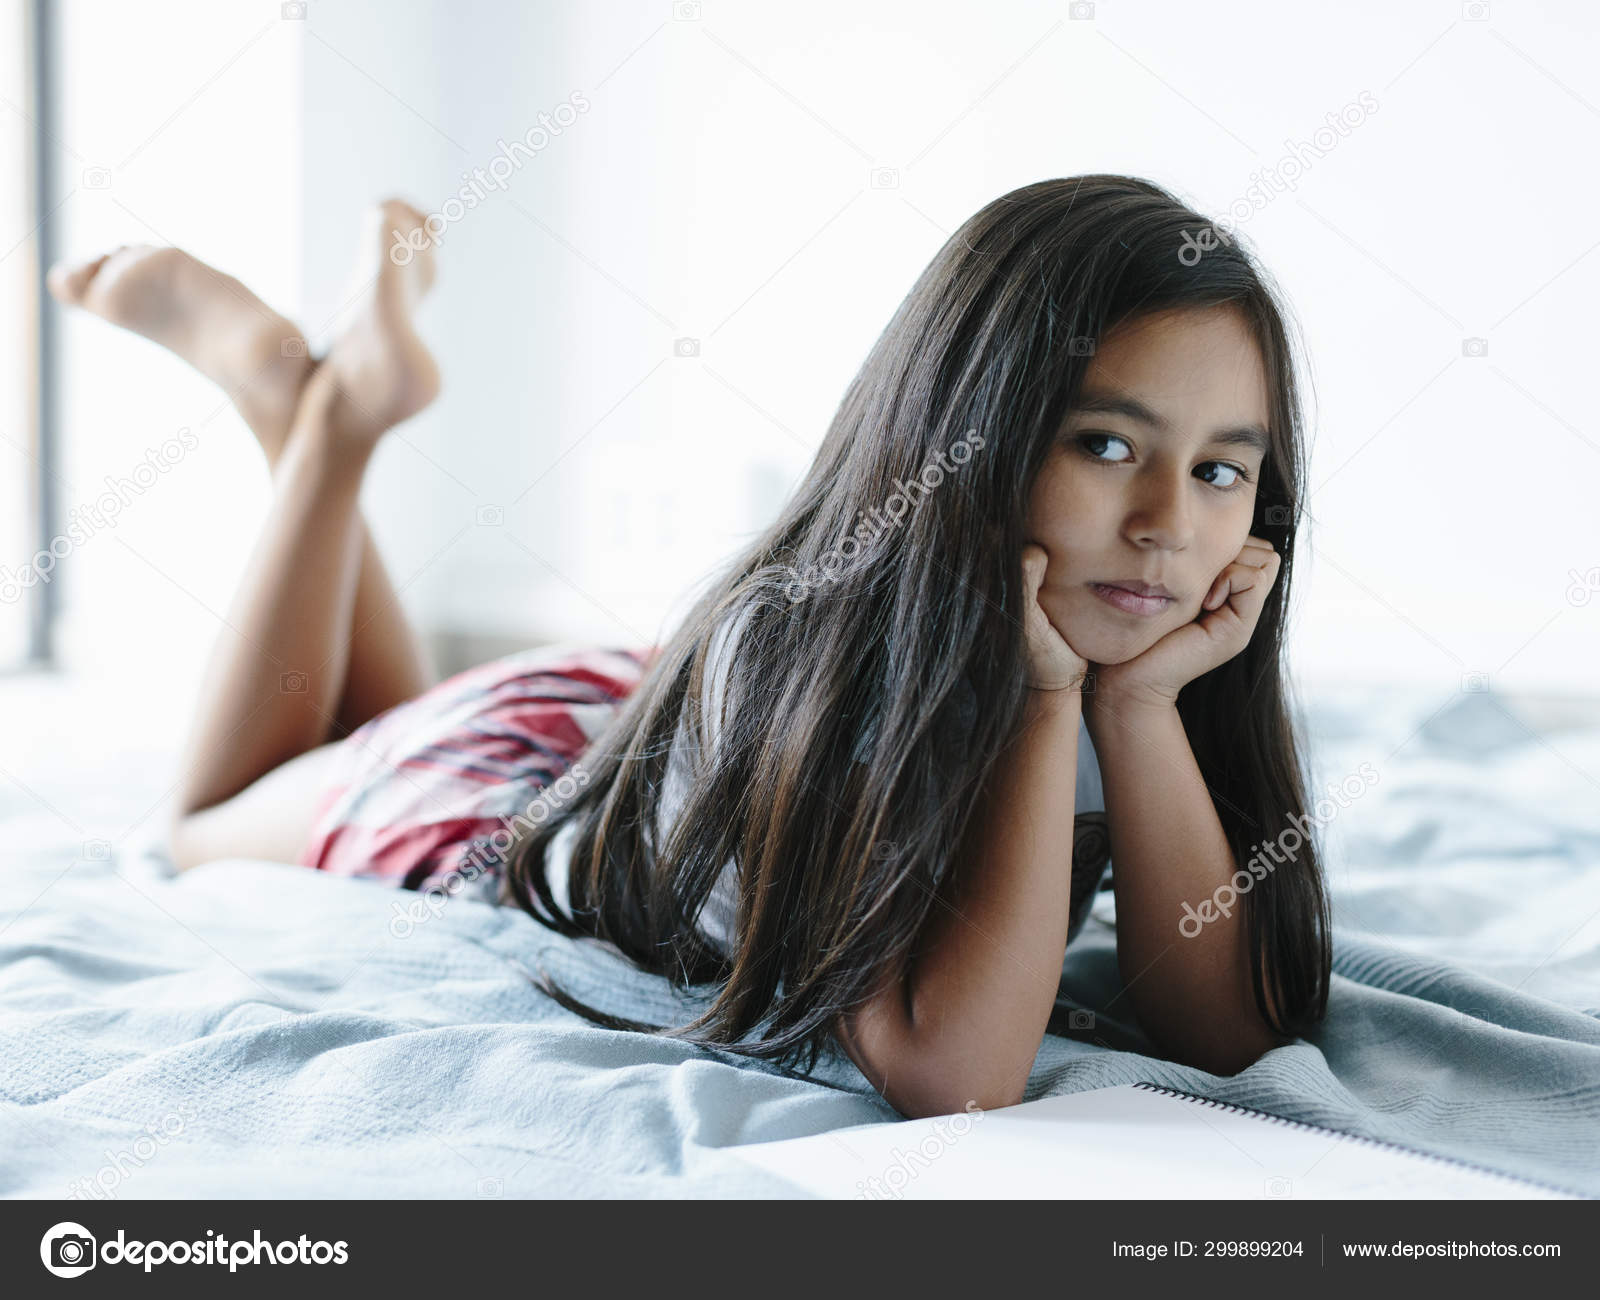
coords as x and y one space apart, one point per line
1159 517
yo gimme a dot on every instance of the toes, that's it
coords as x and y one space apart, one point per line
67 282
72 282
399 209
392 222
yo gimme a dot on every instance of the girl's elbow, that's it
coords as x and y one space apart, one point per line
952 1094
922 1079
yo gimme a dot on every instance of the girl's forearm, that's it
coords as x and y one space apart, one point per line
1191 994
984 983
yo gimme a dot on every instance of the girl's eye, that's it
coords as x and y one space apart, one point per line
1235 481
1094 443
1085 439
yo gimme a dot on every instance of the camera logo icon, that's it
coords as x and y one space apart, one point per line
686 347
1080 1019
489 516
1584 586
67 1250
1474 347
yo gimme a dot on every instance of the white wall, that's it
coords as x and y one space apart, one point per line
618 471
179 124
718 188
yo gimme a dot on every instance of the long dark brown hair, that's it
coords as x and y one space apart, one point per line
840 863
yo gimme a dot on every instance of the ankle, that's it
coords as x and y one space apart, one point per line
318 444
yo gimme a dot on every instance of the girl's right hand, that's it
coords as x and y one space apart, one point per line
1053 665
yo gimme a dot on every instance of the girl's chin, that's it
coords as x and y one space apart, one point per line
1104 636
1102 643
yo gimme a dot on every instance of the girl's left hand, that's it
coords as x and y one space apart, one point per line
1223 628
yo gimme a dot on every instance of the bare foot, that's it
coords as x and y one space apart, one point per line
209 319
380 370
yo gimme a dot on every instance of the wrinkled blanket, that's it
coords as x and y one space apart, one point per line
259 1029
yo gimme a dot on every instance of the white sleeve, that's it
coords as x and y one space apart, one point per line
719 914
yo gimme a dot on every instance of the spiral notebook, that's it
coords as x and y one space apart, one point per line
1133 1141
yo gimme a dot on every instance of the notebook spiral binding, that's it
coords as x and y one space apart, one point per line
1233 1109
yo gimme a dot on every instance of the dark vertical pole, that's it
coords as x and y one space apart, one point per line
43 605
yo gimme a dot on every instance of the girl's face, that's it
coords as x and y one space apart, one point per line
1145 483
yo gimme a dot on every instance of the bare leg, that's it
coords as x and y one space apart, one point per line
277 670
387 665
259 359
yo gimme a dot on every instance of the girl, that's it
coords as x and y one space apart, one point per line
1044 550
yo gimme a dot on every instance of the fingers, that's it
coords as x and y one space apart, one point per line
1255 551
1220 590
1034 563
1240 579
1253 569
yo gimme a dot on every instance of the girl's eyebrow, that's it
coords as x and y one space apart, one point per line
1246 435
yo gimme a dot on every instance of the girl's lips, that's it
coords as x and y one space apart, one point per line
1128 602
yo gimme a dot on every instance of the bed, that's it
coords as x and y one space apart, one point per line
176 1036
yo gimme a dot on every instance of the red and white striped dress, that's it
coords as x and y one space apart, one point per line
418 788
421 792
